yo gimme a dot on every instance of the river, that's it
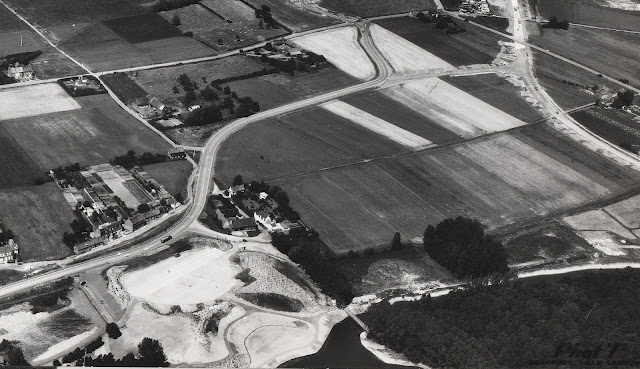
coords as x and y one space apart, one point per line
342 349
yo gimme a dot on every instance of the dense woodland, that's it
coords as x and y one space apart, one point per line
461 246
589 314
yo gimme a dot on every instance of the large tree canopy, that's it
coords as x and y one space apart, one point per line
461 246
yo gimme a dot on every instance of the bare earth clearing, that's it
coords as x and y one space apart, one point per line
188 279
340 46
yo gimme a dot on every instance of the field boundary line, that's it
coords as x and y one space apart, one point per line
44 37
605 28
404 153
550 53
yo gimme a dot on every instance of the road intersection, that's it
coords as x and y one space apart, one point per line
204 170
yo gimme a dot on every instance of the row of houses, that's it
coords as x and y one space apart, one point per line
116 201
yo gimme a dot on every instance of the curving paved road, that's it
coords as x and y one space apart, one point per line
204 173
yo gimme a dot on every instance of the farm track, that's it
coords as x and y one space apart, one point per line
209 152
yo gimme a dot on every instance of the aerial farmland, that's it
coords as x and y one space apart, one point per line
282 183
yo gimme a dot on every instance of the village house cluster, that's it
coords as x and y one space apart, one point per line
112 200
21 72
244 212
281 50
475 6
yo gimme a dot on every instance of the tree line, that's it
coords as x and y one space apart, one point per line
516 323
150 354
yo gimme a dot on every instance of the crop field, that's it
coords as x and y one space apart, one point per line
625 212
10 41
173 175
160 82
208 25
394 133
340 46
369 8
102 49
618 127
404 56
497 92
94 134
53 64
450 107
596 220
376 103
579 12
51 98
292 15
612 53
124 87
561 81
476 46
278 89
38 215
298 142
142 28
503 179
9 22
16 167
52 13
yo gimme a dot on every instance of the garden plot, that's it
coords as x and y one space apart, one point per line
340 46
454 109
50 98
377 125
404 56
196 276
597 220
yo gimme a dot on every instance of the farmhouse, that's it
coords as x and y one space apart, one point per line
244 224
9 253
20 72
88 245
272 223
